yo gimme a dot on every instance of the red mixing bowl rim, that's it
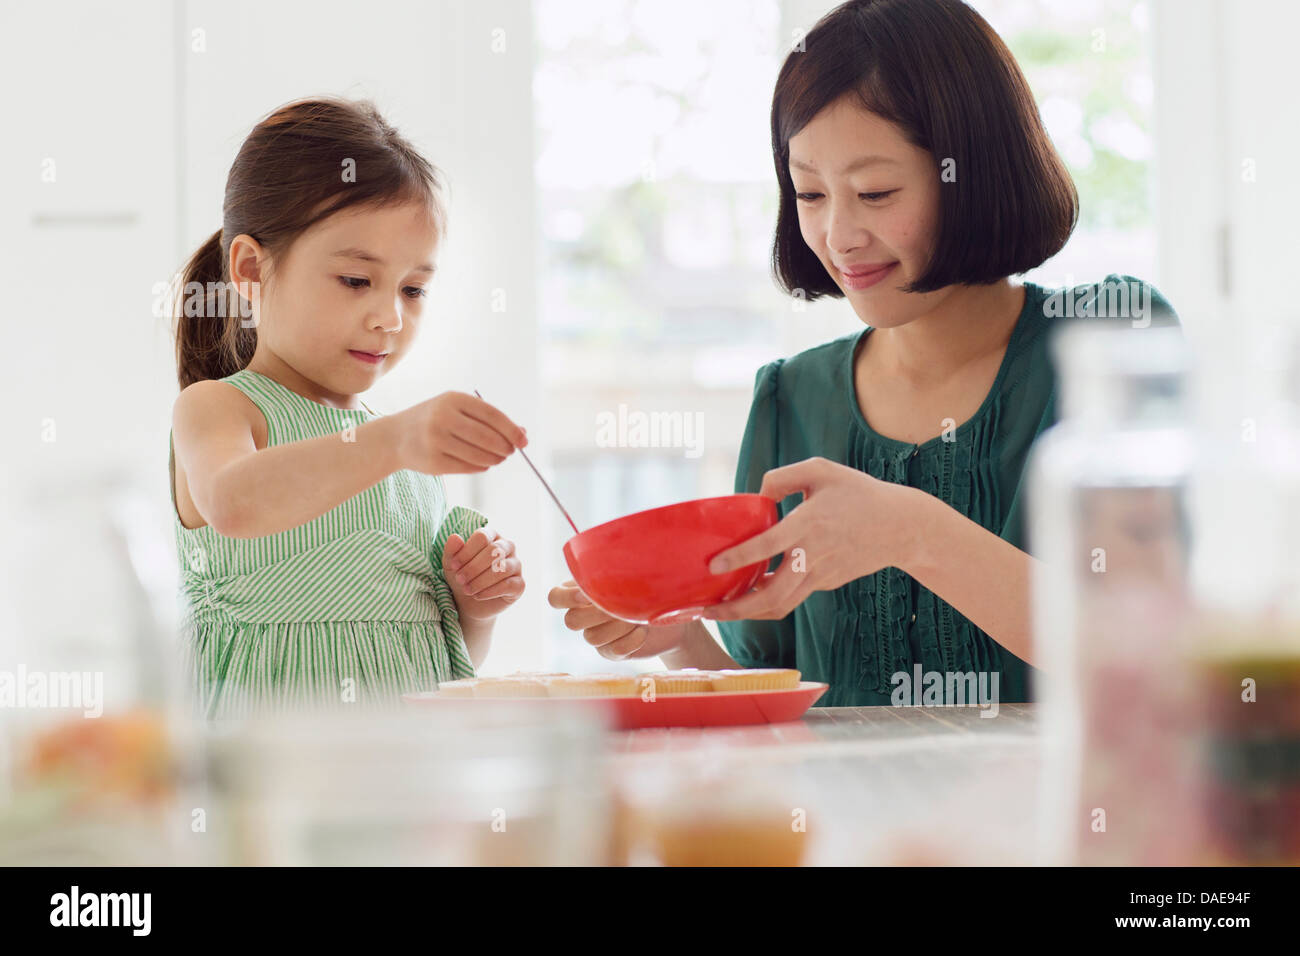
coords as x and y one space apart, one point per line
661 508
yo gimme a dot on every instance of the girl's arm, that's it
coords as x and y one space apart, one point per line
244 492
486 577
478 639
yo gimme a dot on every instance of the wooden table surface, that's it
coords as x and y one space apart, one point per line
876 784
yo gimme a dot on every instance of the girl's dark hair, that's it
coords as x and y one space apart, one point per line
291 172
939 72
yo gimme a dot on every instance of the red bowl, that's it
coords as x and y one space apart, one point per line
652 567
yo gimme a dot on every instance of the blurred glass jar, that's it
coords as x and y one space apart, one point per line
1111 598
93 734
465 783
720 805
104 791
1245 498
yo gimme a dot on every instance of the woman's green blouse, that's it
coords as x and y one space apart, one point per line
856 637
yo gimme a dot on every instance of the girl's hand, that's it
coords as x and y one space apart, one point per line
483 573
612 638
849 525
455 433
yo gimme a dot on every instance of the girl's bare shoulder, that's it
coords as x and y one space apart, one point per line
203 408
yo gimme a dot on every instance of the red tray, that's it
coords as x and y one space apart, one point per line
710 709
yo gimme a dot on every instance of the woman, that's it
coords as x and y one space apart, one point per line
916 179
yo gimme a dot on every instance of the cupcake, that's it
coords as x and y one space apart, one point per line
457 688
510 687
594 685
540 675
755 678
689 681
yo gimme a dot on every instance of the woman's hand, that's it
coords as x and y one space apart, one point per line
483 573
849 525
612 638
455 433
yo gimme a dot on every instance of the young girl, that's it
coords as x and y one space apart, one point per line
321 564
915 179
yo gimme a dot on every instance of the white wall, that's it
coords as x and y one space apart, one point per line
87 178
1227 131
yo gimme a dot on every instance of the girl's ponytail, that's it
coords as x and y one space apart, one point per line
212 340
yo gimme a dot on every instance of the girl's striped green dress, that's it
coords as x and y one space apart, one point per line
348 610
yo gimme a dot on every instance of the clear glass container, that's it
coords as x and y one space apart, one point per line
93 722
461 784
1245 499
720 803
1112 600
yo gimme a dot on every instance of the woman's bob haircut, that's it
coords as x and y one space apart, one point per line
936 70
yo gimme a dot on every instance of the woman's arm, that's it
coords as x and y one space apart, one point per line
676 645
850 525
984 577
698 649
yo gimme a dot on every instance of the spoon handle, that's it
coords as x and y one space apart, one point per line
544 484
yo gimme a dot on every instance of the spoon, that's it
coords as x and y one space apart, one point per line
544 484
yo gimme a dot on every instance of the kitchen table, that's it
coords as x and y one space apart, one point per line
875 785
